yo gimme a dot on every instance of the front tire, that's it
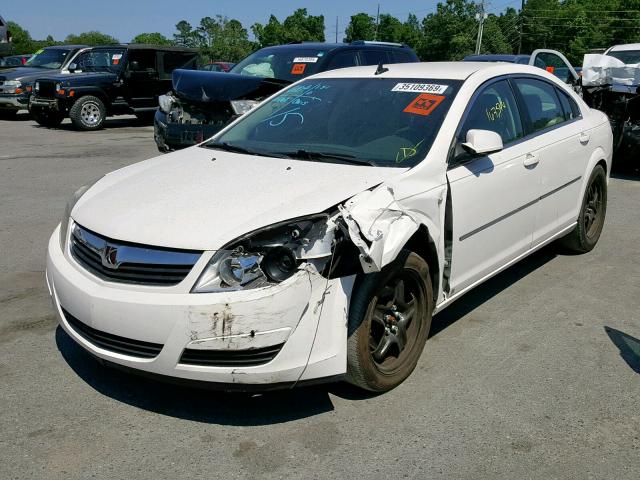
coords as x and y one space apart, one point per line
88 113
389 322
592 214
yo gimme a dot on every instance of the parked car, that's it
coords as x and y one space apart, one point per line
200 104
549 60
610 83
314 238
218 67
16 83
115 80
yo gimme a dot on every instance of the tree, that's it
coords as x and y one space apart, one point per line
223 39
297 27
92 38
154 38
21 41
389 28
186 36
411 32
450 32
362 26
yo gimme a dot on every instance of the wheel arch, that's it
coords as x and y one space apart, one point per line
422 244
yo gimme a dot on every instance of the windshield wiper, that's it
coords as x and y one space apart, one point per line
228 147
315 156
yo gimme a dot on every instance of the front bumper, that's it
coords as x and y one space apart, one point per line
14 102
306 313
175 136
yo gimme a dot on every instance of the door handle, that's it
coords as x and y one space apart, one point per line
584 138
530 160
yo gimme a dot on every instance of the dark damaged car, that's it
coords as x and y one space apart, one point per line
202 103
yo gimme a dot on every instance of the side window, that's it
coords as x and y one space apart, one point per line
495 109
173 60
552 63
142 61
374 57
570 107
400 56
541 103
343 60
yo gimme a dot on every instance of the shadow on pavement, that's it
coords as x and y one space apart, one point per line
118 122
190 403
629 347
479 295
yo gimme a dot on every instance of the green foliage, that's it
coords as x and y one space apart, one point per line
297 27
221 39
91 38
154 38
361 27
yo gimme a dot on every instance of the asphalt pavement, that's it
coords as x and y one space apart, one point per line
535 374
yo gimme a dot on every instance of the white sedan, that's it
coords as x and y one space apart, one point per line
314 238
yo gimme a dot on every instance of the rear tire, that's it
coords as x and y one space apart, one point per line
592 214
88 113
47 119
389 322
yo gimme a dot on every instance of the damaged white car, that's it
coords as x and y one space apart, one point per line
314 238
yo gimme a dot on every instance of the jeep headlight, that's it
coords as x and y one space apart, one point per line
64 223
269 256
240 107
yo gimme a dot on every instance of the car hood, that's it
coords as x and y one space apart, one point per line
203 87
22 73
201 199
80 79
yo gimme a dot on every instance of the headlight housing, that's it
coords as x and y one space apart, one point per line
12 86
165 102
240 107
64 223
269 256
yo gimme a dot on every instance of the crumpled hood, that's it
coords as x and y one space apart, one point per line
201 199
202 86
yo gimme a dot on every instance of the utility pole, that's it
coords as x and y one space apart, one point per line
521 27
480 16
375 36
337 29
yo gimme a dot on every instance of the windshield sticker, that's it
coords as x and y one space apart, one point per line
420 87
116 56
298 68
39 52
550 69
424 104
495 112
305 60
407 152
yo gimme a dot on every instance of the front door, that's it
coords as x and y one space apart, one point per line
142 79
493 196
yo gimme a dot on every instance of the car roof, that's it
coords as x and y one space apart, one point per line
146 46
65 47
496 58
334 46
628 46
432 70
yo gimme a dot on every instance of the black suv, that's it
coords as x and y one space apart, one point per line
115 80
202 103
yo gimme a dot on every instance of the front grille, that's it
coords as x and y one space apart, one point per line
125 262
47 89
230 358
113 343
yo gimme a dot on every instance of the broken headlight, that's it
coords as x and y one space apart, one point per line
165 102
269 256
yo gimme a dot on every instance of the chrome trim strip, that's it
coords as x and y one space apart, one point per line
519 209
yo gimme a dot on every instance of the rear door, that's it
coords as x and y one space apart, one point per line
493 196
555 128
554 62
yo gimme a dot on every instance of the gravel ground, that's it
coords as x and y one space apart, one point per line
535 374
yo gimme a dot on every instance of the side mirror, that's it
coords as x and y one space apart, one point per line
72 67
482 142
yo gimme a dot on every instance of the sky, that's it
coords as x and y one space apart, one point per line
124 19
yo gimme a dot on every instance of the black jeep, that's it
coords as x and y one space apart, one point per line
115 80
202 103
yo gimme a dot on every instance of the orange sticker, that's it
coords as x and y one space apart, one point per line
550 69
424 104
116 61
298 68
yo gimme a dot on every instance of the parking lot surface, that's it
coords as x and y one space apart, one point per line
535 374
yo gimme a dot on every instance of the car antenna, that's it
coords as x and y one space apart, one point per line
381 69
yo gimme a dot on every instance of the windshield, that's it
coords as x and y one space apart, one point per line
51 58
101 60
290 64
629 57
382 122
